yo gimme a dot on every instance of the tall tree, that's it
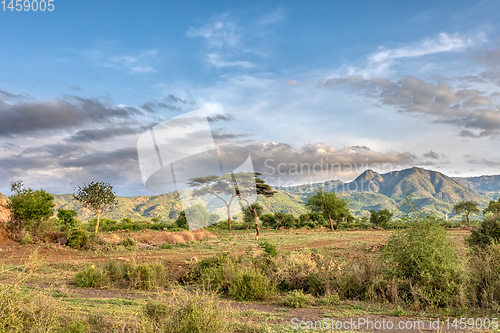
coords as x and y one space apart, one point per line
218 186
493 207
466 207
247 184
332 207
97 197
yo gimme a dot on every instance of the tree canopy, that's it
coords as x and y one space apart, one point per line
332 207
467 208
96 196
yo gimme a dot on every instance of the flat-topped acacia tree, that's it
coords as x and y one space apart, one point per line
247 184
97 197
218 186
467 208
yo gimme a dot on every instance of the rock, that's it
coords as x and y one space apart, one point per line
62 241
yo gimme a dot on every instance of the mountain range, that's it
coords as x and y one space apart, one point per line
430 190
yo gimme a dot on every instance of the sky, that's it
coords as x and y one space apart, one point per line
313 91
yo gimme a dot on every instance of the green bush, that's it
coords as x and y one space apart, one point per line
165 246
422 259
184 312
297 299
146 276
250 286
91 277
329 300
269 248
78 238
487 233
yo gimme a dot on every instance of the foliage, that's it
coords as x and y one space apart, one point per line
67 217
284 220
422 256
487 233
382 218
485 276
181 221
312 220
185 312
97 197
29 208
220 187
332 207
269 248
297 299
78 238
493 207
91 277
467 208
248 213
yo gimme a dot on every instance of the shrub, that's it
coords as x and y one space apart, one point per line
297 299
185 312
487 233
165 246
23 311
78 238
269 248
329 300
485 276
250 286
128 242
293 270
356 280
146 276
422 258
91 277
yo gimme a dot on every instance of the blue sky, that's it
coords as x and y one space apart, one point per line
384 85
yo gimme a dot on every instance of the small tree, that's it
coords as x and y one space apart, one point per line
247 184
332 207
28 207
97 197
248 215
493 207
181 221
380 218
67 216
466 207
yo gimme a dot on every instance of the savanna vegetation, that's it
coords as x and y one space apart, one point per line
222 280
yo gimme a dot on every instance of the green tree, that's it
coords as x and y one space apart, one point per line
97 197
181 221
248 215
381 218
247 184
218 186
285 220
332 207
493 207
467 208
487 233
67 216
198 216
28 207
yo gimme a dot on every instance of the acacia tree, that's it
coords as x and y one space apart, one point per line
466 207
247 184
217 186
97 197
493 207
332 207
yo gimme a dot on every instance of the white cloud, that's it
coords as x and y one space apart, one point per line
217 34
216 61
441 43
141 69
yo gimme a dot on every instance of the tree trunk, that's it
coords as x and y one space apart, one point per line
97 224
331 222
467 217
228 219
256 222
338 221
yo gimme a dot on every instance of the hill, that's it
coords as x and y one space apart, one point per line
433 191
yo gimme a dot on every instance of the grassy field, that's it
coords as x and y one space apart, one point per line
49 271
